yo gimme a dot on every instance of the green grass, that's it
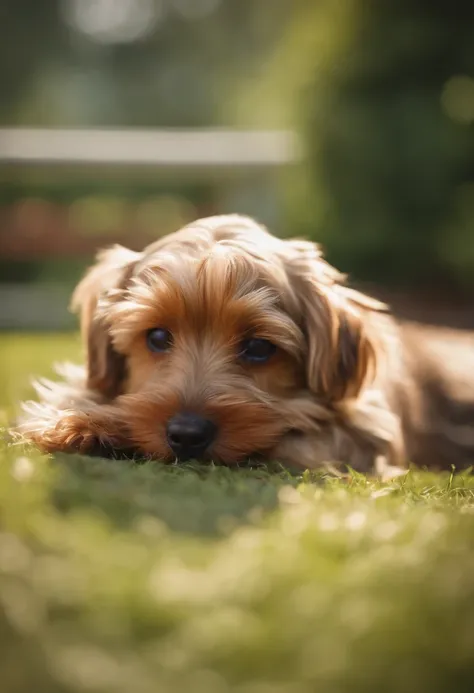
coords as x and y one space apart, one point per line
127 578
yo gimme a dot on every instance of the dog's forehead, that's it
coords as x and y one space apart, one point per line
228 264
216 260
225 288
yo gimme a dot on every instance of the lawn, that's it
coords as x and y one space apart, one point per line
126 578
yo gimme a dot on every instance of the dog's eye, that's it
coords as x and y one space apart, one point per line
159 339
256 350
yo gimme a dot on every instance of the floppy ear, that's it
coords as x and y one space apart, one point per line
105 366
342 346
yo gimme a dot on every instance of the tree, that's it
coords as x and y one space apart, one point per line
388 117
381 90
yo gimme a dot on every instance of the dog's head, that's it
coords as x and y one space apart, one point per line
220 339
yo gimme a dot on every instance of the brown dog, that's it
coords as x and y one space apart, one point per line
223 342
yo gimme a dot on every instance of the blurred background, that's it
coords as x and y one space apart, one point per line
350 122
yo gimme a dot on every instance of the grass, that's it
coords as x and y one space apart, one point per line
125 578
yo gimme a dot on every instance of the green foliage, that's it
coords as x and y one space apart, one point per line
388 116
118 577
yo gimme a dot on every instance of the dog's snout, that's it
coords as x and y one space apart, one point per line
190 435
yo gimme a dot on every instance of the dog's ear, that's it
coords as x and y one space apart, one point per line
342 353
112 271
338 324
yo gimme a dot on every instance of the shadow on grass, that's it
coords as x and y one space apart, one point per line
189 498
210 500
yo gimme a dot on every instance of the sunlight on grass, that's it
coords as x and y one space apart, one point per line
25 356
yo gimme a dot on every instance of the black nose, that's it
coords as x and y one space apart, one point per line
189 435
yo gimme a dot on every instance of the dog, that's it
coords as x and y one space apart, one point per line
222 342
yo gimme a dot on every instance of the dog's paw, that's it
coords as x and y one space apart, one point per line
386 471
74 433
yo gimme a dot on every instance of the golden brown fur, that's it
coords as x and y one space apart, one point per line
345 384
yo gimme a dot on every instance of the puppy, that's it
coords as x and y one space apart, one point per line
223 342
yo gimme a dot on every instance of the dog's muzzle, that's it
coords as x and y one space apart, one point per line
190 435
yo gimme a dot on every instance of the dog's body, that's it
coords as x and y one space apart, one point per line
223 342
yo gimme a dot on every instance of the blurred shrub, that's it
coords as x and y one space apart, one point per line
51 232
388 118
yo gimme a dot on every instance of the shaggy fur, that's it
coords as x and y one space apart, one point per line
346 384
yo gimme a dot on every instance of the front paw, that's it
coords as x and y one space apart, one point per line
76 433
